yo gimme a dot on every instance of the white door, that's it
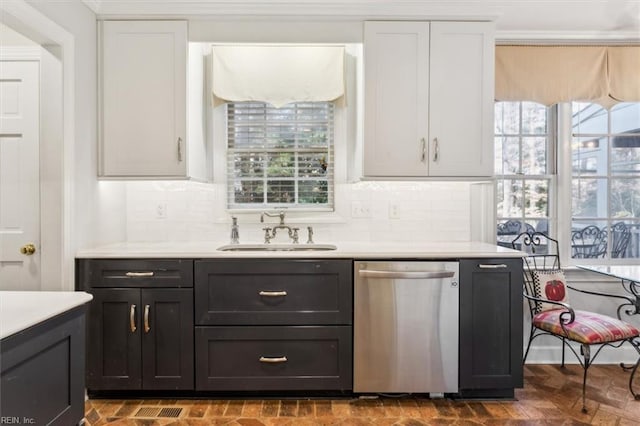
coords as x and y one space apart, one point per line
19 176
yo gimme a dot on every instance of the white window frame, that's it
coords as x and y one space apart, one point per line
347 143
295 179
565 136
550 176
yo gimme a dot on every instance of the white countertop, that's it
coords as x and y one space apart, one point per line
350 250
20 310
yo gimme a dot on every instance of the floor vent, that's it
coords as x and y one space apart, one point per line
170 412
148 412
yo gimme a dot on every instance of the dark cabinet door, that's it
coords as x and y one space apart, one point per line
167 339
113 340
490 324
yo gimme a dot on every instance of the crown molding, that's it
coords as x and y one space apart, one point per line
336 9
567 37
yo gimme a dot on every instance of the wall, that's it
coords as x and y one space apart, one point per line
92 202
190 211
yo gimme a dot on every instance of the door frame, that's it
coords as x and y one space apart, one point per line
57 234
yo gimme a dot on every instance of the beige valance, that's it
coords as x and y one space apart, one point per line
553 74
624 73
278 74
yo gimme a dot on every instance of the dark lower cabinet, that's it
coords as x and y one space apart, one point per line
274 358
274 324
141 339
490 327
42 372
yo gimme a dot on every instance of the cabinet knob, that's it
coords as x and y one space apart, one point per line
28 249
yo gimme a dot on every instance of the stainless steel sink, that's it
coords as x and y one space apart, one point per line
277 247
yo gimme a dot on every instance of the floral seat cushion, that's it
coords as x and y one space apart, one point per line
588 327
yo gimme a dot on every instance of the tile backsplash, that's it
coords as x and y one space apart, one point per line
365 211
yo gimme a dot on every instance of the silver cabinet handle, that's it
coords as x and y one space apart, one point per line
132 318
273 293
272 360
139 274
146 319
423 158
179 149
412 275
489 266
436 149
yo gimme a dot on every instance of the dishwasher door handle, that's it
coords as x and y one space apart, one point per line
411 275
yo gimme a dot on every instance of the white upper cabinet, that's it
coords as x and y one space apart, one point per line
428 99
144 94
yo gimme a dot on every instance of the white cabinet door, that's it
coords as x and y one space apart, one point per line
143 99
396 67
428 99
461 94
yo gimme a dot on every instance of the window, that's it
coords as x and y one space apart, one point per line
522 168
280 157
605 157
600 174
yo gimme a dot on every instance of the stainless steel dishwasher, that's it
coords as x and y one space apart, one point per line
406 327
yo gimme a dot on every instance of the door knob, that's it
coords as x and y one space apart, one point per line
28 249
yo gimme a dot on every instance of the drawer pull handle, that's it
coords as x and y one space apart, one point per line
272 360
146 319
132 318
273 293
486 266
139 274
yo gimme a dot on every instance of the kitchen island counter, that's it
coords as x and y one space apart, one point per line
345 250
42 357
20 310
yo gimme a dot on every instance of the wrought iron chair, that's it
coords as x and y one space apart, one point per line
620 236
563 321
589 242
509 229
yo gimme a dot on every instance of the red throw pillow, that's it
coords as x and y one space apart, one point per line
550 285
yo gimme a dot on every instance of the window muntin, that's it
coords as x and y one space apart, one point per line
523 180
280 157
605 156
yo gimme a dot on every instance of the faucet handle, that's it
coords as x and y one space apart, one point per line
310 235
267 236
294 236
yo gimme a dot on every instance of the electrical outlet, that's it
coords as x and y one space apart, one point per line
360 209
394 211
161 211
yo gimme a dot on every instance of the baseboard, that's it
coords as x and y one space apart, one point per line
553 355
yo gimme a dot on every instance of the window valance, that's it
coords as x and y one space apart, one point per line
278 74
553 74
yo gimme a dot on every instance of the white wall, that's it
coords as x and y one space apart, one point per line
98 215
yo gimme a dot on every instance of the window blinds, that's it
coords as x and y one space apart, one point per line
553 74
278 75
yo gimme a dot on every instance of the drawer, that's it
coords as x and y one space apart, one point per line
135 273
273 292
273 358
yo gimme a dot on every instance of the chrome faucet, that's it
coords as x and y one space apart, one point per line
270 233
310 235
235 234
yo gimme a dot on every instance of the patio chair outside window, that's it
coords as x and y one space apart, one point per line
620 236
588 243
560 319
